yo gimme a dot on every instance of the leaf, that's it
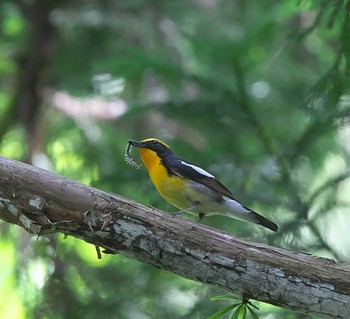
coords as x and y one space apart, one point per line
243 312
237 312
221 297
222 311
249 304
252 312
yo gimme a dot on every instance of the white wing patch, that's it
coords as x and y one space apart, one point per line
198 169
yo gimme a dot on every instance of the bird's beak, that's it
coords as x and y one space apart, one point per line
135 143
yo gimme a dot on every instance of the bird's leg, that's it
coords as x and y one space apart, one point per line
200 216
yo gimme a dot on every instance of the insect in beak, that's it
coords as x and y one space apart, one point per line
127 155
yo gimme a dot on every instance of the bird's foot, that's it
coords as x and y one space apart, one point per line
200 216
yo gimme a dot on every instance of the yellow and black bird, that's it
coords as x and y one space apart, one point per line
189 187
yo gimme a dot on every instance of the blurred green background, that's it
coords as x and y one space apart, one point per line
256 92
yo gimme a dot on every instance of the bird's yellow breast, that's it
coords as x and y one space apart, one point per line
171 187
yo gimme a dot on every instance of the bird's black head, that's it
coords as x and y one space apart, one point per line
153 144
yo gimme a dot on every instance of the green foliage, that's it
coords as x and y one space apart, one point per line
241 309
256 92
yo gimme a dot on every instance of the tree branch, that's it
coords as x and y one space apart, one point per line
42 202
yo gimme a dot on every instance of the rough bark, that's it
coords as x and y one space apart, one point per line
42 202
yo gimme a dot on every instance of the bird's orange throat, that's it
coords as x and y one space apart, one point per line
149 158
157 172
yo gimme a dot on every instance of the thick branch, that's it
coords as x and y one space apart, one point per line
42 202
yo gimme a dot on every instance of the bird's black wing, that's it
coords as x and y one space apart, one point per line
192 172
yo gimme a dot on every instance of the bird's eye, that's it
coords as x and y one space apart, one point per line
155 143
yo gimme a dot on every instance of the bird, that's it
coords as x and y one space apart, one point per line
189 187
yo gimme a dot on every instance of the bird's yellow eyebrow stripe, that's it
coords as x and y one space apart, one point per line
155 139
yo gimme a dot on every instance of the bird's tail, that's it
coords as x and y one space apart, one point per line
237 210
263 221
